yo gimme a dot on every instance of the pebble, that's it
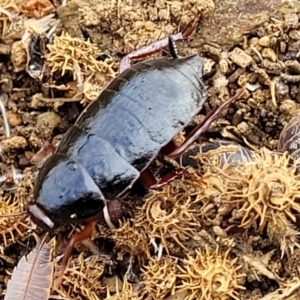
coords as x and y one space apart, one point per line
14 119
48 121
15 142
239 57
18 56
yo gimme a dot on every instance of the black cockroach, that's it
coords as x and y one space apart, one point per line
118 135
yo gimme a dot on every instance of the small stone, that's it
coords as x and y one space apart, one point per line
269 53
243 127
239 57
36 101
291 20
18 56
48 121
150 26
14 119
15 142
264 41
287 106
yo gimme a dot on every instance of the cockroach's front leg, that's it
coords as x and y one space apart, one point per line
156 46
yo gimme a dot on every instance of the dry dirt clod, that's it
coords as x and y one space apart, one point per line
18 56
14 119
239 57
15 142
47 122
219 203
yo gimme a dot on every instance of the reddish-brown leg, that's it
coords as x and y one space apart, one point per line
200 129
156 46
169 148
82 235
147 178
172 150
149 181
45 152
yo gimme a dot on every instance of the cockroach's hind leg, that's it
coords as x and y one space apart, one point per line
202 127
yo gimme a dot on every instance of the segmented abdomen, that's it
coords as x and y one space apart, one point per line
122 131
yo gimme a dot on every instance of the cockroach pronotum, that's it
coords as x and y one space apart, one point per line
118 135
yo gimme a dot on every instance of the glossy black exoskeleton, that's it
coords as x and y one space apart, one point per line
118 135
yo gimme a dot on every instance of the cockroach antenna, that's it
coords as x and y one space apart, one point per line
14 214
173 47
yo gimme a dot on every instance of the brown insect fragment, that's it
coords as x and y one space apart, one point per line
33 276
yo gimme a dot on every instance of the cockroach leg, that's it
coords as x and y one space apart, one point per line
148 180
168 148
111 213
44 153
157 46
203 126
82 235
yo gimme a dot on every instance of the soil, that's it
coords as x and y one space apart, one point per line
228 228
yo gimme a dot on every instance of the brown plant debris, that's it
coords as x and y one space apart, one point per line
13 228
159 278
211 275
168 217
127 292
129 239
83 278
272 191
80 59
264 191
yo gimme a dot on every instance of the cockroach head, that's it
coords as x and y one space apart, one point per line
65 192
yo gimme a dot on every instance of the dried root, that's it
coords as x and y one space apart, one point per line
80 59
159 278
